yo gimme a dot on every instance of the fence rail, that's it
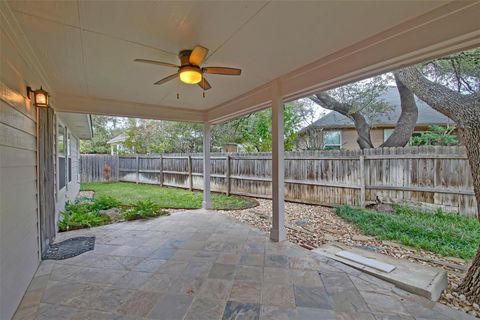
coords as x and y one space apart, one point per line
428 177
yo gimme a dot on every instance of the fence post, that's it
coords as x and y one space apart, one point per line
362 181
227 174
117 168
161 170
138 170
190 176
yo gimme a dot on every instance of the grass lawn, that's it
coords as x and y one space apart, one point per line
129 193
439 232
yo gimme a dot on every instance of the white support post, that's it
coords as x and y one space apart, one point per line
206 167
278 232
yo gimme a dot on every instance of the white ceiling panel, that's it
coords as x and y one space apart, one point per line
89 50
65 12
168 25
59 49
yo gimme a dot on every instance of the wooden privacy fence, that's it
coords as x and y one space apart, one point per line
427 177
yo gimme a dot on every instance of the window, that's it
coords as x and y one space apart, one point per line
387 133
332 140
61 156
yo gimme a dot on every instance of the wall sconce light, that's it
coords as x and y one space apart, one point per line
40 96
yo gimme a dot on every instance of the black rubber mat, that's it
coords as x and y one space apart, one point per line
69 248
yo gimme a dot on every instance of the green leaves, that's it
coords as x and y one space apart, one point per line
436 136
143 210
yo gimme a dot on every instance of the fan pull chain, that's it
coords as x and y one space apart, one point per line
203 94
178 95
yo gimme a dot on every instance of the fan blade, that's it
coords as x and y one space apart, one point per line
222 70
198 55
170 77
165 64
204 84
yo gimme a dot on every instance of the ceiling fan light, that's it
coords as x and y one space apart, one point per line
190 75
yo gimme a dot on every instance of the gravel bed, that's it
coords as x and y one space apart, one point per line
312 226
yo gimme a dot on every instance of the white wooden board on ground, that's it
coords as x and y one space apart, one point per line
415 278
369 262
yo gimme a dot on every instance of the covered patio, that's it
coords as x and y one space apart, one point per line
203 265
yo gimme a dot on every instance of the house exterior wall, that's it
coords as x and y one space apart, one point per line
19 210
349 138
19 233
71 188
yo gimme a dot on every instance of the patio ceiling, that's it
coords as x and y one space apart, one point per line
86 49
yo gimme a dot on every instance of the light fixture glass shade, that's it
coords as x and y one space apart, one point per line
41 98
190 75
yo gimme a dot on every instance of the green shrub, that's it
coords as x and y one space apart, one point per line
143 210
105 202
440 232
80 215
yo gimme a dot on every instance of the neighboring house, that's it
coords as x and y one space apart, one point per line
117 144
335 131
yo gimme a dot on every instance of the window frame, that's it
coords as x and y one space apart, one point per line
332 146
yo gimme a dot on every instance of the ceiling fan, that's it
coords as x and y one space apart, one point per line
190 71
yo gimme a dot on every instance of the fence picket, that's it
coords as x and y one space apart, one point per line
428 177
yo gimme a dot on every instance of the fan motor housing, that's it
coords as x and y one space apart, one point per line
184 57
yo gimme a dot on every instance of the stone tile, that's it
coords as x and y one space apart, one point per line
228 258
278 295
306 278
117 276
56 312
149 265
312 297
163 253
171 307
159 283
206 256
382 303
140 303
277 313
246 291
97 276
186 285
183 255
206 309
216 289
248 273
315 314
26 313
252 259
172 267
39 282
277 261
46 267
276 275
354 316
132 280
384 316
198 268
222 271
241 311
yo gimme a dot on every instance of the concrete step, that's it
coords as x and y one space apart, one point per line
419 279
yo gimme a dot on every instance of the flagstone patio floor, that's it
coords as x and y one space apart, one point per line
204 265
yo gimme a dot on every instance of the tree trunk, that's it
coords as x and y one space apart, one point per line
361 124
408 118
465 111
470 286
